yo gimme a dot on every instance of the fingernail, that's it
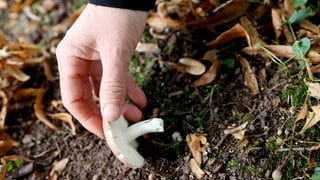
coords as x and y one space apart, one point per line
111 112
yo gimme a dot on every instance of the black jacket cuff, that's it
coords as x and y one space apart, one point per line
143 5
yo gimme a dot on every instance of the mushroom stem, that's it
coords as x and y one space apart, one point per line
144 127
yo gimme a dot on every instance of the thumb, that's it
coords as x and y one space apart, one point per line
113 85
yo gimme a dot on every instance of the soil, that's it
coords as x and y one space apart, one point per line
207 110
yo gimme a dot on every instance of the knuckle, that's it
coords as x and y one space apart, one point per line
112 90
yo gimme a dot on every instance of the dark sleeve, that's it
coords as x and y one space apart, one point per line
144 5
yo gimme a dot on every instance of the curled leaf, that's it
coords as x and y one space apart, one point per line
281 51
58 168
195 169
160 23
250 78
6 143
195 144
16 72
66 117
211 74
237 31
314 89
313 118
39 111
3 112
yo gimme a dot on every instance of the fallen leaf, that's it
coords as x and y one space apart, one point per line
211 74
315 69
188 65
3 112
302 113
58 168
3 40
225 13
312 155
66 117
306 24
250 79
237 31
240 135
160 23
235 129
195 169
195 144
57 104
3 169
16 72
39 111
281 51
25 93
192 66
277 21
251 33
312 118
147 47
314 89
277 174
6 143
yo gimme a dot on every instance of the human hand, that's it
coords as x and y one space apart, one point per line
94 57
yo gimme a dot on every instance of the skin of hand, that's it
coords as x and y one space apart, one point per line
93 58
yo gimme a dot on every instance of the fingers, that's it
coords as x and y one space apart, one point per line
76 91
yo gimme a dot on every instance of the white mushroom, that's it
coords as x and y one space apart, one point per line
124 138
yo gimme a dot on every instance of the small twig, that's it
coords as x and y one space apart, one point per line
293 149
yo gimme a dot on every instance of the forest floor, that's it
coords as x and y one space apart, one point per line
248 120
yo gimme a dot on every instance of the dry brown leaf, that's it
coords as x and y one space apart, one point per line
48 70
3 112
235 129
242 137
147 47
277 21
58 168
226 12
312 118
6 143
315 69
66 117
314 89
160 23
3 170
192 66
288 8
281 51
237 31
312 155
57 104
212 72
302 113
156 34
16 72
195 169
195 144
3 40
25 93
252 35
250 79
306 24
39 111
